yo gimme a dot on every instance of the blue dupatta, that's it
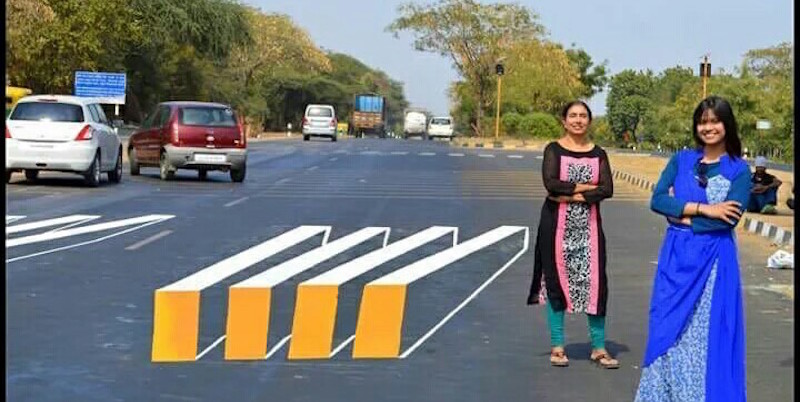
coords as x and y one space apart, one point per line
684 265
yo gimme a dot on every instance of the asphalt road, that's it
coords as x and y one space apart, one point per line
80 300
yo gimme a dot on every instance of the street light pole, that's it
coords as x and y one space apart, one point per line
705 72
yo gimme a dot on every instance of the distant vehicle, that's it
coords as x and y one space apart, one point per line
62 133
441 127
199 136
319 121
369 116
414 124
13 95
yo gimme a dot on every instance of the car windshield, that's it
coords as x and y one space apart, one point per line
440 121
319 112
48 111
207 116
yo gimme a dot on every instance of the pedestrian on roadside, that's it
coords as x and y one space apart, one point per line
569 271
696 345
764 195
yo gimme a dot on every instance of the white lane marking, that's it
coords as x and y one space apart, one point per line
285 271
277 347
341 151
539 157
208 349
426 266
148 240
515 156
77 219
426 153
468 299
371 153
231 265
281 181
485 155
312 168
352 269
13 218
455 154
400 153
333 159
654 262
84 230
240 200
342 346
86 242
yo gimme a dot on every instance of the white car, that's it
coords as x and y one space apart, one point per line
441 127
62 133
319 121
414 125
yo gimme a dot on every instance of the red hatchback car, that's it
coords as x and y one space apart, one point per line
201 136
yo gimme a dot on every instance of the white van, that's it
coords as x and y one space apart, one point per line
319 121
441 127
414 125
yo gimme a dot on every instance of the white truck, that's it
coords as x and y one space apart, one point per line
415 124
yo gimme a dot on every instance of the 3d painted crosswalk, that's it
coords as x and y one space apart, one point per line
380 318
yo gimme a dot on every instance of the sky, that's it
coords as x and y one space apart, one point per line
628 34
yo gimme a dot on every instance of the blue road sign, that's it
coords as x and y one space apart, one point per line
108 87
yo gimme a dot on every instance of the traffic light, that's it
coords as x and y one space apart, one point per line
705 70
499 69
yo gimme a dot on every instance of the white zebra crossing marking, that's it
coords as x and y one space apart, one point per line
77 219
13 218
85 229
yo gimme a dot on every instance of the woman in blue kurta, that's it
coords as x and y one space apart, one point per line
695 351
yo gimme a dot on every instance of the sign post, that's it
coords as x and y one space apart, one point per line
108 88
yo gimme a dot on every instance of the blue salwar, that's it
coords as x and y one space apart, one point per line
696 313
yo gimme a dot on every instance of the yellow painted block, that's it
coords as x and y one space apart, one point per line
248 323
380 322
176 320
314 321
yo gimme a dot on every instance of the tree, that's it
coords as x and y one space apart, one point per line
473 35
629 100
594 80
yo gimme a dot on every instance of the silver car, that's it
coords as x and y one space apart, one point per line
319 121
62 133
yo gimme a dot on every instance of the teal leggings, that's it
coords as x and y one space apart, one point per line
597 329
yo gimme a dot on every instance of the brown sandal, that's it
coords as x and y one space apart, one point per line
605 361
558 358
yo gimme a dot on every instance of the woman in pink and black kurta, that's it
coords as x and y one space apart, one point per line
570 244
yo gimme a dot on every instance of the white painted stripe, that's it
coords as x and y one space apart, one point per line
277 347
50 222
284 271
208 349
148 240
485 155
426 266
539 157
231 265
13 218
474 294
312 168
399 153
455 154
515 156
281 181
240 200
333 159
84 230
342 346
341 151
426 153
765 230
371 152
360 265
86 242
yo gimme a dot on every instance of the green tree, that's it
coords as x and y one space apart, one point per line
473 35
593 77
628 101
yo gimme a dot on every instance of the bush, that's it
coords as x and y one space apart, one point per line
539 125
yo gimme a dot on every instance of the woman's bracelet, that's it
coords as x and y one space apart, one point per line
697 209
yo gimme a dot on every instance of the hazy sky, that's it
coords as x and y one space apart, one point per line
630 34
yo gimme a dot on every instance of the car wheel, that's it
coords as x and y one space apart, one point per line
202 174
115 176
165 170
134 163
333 138
305 138
237 175
92 175
31 175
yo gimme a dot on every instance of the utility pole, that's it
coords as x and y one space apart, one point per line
500 71
705 73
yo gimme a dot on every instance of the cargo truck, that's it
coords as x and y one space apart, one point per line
369 116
